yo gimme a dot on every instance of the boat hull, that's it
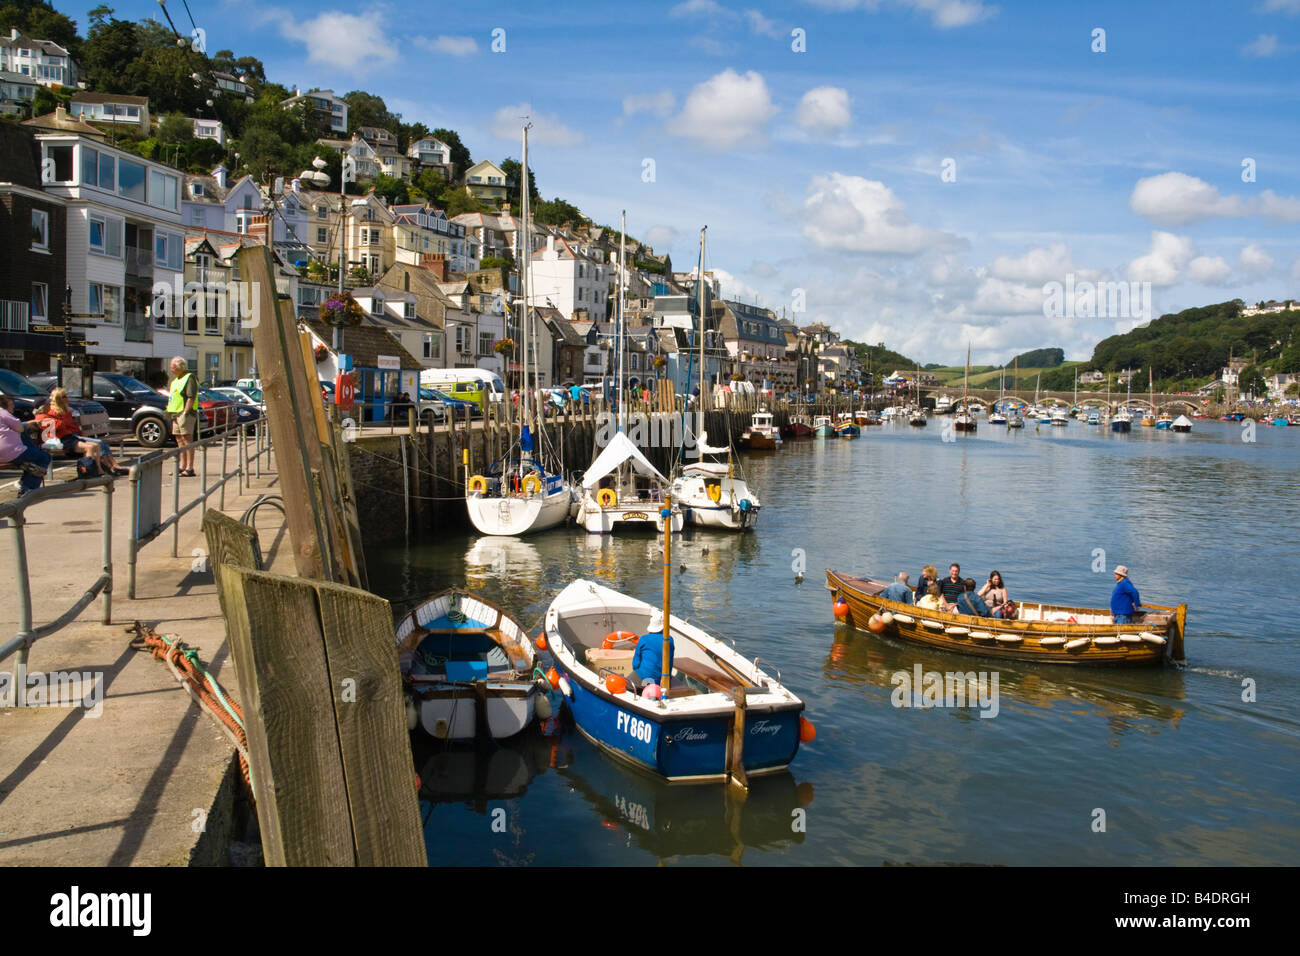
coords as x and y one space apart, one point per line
796 430
848 431
454 712
863 603
517 516
637 516
1121 426
758 442
824 431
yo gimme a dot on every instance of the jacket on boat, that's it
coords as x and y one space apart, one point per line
648 660
971 603
898 591
1124 599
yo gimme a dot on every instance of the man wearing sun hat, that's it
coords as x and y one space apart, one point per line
647 662
1124 601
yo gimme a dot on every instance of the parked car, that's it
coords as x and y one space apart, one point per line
216 412
29 395
133 407
456 405
251 397
430 409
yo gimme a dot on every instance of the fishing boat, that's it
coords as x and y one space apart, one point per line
862 417
1122 421
822 427
916 416
1094 418
520 495
1181 424
1148 417
467 667
1060 416
1049 633
845 428
622 491
1165 421
761 435
721 718
942 405
798 427
712 493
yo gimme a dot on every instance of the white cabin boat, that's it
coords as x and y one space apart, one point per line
622 491
712 494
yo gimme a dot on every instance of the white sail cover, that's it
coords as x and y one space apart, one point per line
1183 421
704 448
619 450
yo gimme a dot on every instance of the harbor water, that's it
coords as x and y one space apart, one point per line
1187 764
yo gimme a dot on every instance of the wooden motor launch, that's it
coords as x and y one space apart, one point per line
1048 633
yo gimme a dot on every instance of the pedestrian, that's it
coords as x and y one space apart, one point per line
1125 603
18 447
183 408
57 422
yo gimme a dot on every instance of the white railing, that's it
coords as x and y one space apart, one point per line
13 315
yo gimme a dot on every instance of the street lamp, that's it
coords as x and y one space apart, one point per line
320 179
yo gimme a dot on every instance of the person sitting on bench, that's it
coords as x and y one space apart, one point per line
970 602
17 447
647 662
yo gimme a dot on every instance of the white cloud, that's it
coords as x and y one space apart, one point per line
660 104
1255 262
998 296
661 237
1176 199
1162 266
1264 45
699 8
547 130
1207 270
944 14
1037 265
449 45
726 111
824 109
762 26
862 215
343 41
1281 6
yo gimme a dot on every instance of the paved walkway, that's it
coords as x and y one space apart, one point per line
135 784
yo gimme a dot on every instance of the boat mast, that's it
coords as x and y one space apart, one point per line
619 325
965 383
667 516
526 251
699 295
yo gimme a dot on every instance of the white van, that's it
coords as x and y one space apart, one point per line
477 385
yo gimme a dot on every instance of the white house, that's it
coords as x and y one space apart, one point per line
431 152
361 153
209 129
16 93
331 110
124 240
112 109
564 276
44 61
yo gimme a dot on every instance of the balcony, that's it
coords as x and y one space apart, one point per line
139 327
238 334
139 262
13 315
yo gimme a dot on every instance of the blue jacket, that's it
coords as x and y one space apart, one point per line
969 602
1124 599
898 592
648 660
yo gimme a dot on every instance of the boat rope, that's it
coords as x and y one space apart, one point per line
206 690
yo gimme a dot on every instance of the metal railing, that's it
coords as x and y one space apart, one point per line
13 315
145 483
13 514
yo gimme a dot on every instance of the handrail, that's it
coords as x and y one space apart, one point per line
13 514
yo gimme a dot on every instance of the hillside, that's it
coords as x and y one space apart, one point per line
1189 348
1038 358
880 360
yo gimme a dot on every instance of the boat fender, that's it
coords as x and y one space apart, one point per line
651 692
606 497
615 683
1006 638
412 713
477 483
887 618
615 638
1051 641
1077 642
933 625
543 707
1150 638
554 677
564 687
874 624
1108 641
840 609
532 485
807 732
541 640
958 631
904 619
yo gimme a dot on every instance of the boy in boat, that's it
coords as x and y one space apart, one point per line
647 662
899 590
1124 601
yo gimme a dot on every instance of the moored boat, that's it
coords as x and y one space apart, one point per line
1164 422
1181 424
1060 416
761 435
1050 633
845 428
467 667
713 493
622 491
1122 422
721 714
798 427
822 427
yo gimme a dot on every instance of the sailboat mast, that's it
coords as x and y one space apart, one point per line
619 323
699 295
526 252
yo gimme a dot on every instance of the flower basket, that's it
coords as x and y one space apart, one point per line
660 361
504 346
321 353
341 310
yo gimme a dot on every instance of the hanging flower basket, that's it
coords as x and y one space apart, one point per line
504 346
660 361
321 353
341 310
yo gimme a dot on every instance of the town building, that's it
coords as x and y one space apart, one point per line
112 109
44 61
485 180
329 110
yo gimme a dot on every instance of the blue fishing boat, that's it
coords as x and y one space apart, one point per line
846 427
721 717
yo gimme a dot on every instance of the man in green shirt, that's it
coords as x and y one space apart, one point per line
183 407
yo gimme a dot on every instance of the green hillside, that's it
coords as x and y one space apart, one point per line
880 360
985 376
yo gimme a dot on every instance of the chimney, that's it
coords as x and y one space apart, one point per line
550 243
219 174
13 33
406 281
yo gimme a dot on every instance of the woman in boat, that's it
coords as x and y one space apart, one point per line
994 592
929 575
932 600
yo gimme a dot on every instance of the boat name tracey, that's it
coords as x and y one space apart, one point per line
634 727
950 689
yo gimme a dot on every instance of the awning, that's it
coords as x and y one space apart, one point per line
619 450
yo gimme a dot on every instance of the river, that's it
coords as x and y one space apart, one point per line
1191 764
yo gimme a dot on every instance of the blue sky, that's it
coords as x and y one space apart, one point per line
822 170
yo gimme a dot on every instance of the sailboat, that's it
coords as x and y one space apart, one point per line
998 415
1123 419
916 414
1147 420
711 491
519 495
964 420
1016 418
621 490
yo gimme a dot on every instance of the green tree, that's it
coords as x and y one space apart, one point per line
430 186
366 109
175 128
1252 382
111 47
458 201
555 211
40 21
513 170
249 67
393 190
460 157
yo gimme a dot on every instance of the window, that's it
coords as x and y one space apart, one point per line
58 164
40 313
485 343
432 347
162 189
113 304
167 251
320 234
377 306
106 236
40 229
95 299
130 180
409 310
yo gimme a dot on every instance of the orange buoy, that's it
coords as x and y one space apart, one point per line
874 624
841 609
614 638
541 640
554 677
807 732
615 683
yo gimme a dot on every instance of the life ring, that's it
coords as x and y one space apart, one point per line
714 491
477 483
532 485
614 638
607 497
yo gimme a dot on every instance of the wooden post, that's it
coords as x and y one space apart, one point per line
668 584
322 698
736 743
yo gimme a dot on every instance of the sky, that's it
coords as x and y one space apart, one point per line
912 172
